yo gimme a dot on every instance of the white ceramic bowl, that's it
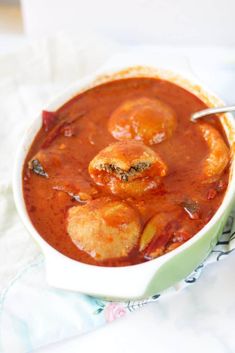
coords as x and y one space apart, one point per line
149 278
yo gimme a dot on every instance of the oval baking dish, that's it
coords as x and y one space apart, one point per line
144 279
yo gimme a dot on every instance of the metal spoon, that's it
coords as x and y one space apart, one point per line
210 111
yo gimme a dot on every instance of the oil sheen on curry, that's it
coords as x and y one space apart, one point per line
119 175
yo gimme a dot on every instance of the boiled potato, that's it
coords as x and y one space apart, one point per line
104 228
149 120
218 154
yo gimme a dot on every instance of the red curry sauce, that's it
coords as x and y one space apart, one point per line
78 131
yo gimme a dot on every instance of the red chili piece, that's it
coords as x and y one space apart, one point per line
48 120
211 194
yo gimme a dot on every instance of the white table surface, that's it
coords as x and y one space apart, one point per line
199 319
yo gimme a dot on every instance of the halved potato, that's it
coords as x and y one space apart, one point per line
163 231
156 228
127 165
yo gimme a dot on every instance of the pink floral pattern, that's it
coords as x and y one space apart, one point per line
113 311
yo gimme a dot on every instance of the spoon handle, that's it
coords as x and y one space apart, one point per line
210 111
